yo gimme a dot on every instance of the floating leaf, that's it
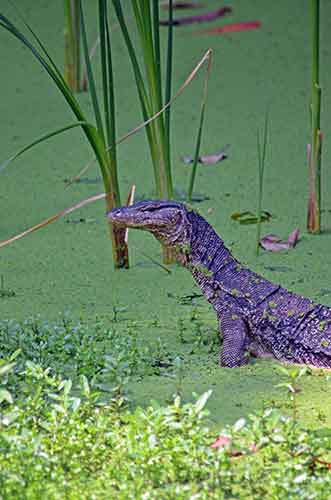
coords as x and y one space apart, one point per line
208 159
232 28
207 17
250 218
274 243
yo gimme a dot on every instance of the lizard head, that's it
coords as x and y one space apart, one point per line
165 219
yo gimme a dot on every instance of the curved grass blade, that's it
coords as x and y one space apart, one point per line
189 79
41 139
199 135
207 57
53 218
56 76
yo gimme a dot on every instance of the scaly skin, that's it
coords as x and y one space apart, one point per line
256 317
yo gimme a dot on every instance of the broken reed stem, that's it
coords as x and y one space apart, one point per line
314 151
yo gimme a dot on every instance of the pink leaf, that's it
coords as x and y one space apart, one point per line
273 243
233 28
221 442
209 16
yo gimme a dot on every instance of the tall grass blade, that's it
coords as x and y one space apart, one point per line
169 76
142 125
261 153
315 157
196 155
141 89
43 138
107 74
55 74
199 135
179 92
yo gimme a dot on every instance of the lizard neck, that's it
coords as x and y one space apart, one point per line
204 254
216 271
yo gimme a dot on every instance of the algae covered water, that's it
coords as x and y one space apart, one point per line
67 266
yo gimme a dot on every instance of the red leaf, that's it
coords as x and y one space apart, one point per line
233 28
209 16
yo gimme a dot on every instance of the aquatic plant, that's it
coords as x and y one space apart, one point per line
146 18
314 150
102 134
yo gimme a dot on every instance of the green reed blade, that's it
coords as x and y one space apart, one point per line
169 75
196 155
261 153
58 79
157 54
104 49
90 77
142 93
199 135
43 138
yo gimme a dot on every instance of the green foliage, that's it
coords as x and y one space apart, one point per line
61 443
65 431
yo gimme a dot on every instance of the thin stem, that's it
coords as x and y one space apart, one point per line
261 164
314 202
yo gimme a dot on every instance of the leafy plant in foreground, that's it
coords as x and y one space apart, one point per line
52 447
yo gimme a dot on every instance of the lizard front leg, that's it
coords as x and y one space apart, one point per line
235 339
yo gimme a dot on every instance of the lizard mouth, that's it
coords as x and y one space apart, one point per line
122 217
